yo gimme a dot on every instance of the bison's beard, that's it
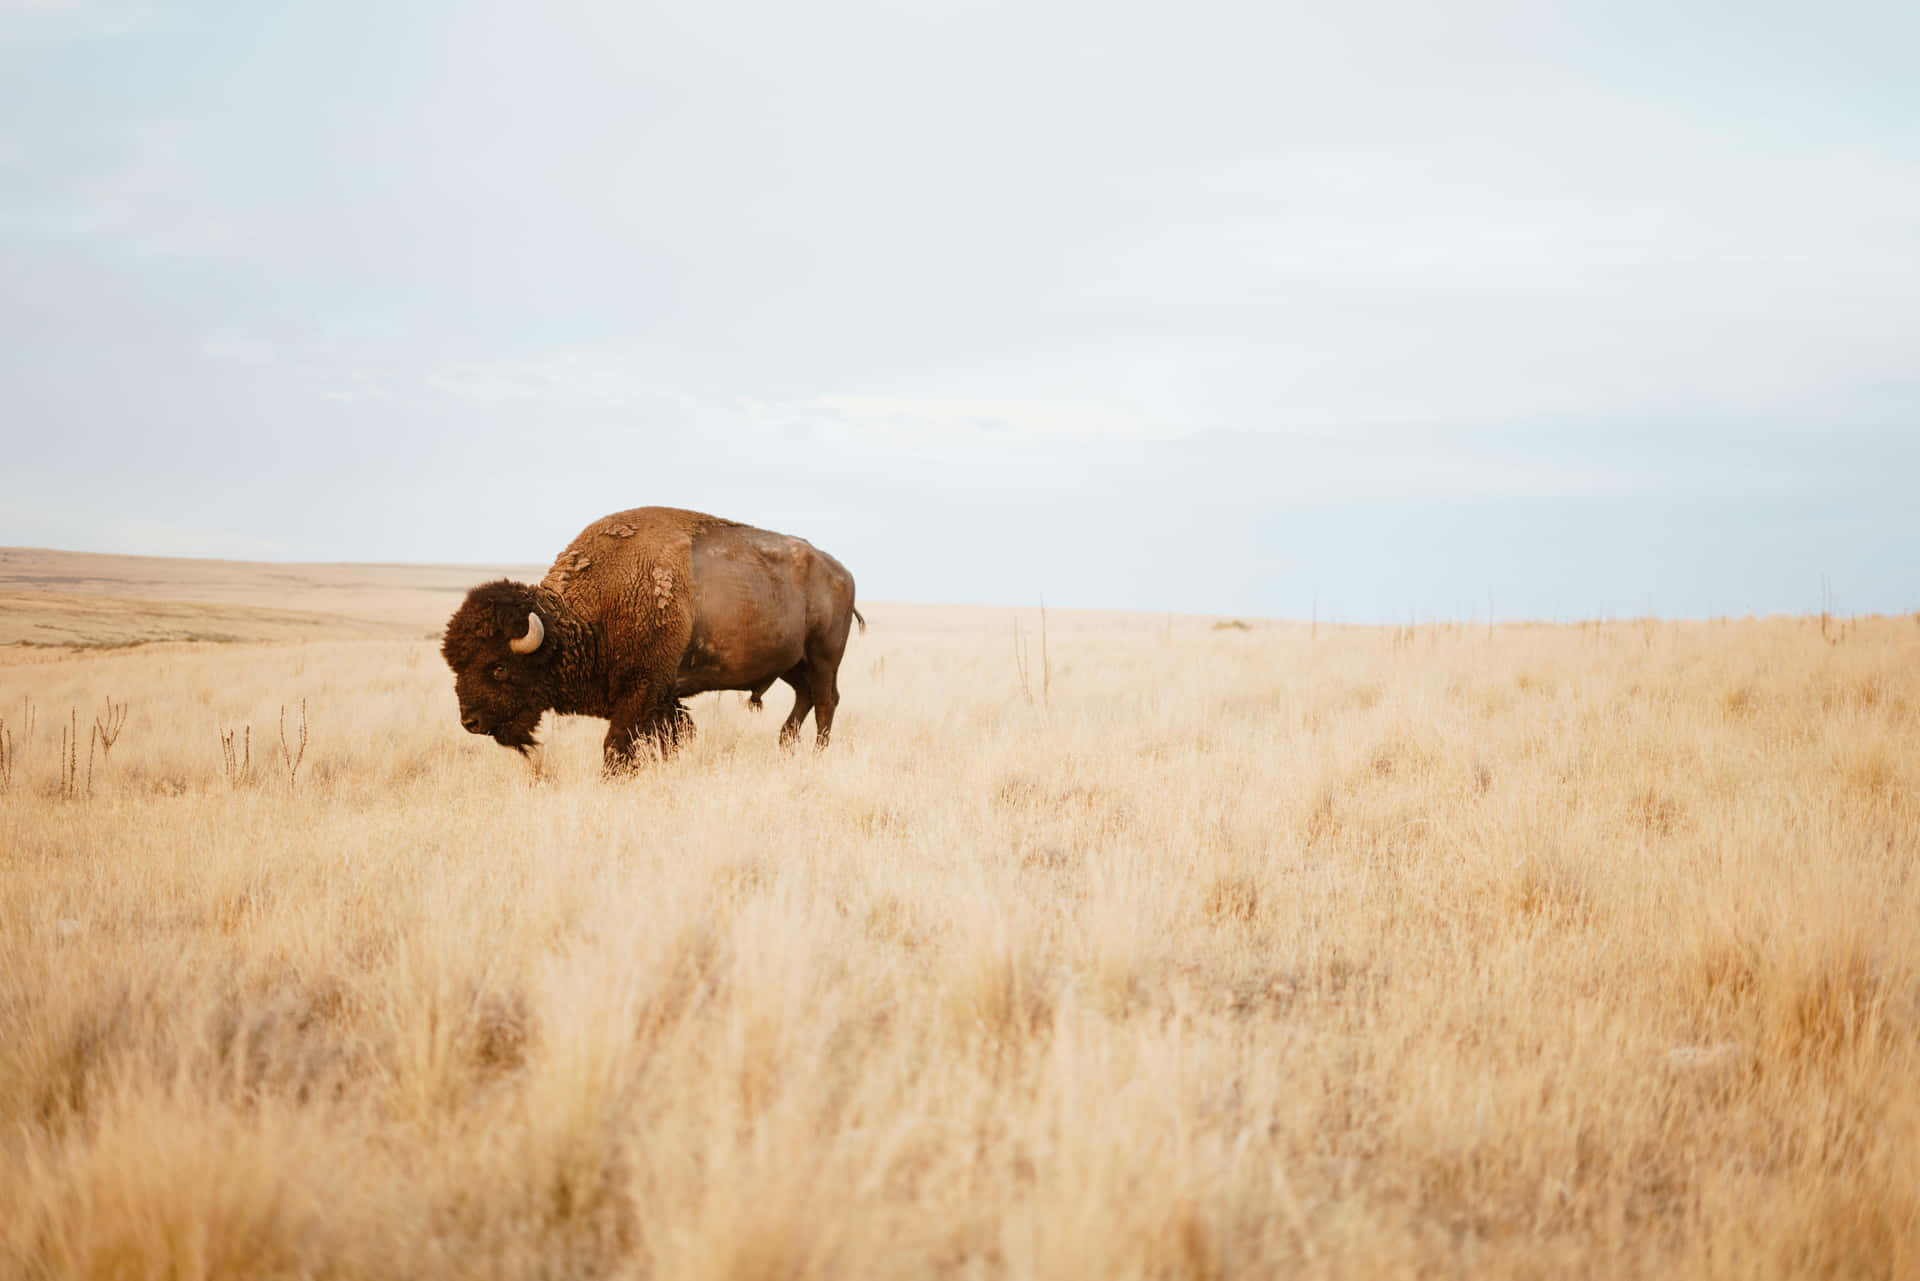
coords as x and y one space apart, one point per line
518 732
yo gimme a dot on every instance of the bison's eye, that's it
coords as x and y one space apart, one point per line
499 671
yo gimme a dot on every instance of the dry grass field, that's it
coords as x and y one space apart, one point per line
1310 952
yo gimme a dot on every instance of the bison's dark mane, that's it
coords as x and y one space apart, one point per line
565 667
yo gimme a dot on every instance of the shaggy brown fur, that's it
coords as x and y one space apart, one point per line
644 608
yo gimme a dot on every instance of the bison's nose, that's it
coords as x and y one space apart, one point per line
472 721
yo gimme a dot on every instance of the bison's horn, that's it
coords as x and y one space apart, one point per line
536 632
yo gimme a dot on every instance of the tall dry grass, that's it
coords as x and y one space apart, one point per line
1308 952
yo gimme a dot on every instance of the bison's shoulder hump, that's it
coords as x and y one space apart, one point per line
650 523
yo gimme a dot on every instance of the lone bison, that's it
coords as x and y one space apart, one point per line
642 609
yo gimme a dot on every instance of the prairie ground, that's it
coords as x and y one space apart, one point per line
1317 952
79 600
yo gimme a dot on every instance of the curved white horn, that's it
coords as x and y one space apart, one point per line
536 632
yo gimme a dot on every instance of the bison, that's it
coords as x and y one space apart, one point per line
641 610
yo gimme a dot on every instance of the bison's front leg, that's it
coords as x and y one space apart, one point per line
645 728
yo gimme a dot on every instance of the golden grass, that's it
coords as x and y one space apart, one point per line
1568 951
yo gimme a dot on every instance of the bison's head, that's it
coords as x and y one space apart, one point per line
502 661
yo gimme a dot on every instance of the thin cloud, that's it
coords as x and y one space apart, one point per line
910 417
241 349
576 381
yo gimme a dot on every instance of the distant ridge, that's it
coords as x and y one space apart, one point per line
92 600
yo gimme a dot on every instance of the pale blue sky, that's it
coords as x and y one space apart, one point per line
1599 308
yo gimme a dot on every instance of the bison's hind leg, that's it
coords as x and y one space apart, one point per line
824 651
802 704
826 686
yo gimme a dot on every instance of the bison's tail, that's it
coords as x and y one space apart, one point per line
861 621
